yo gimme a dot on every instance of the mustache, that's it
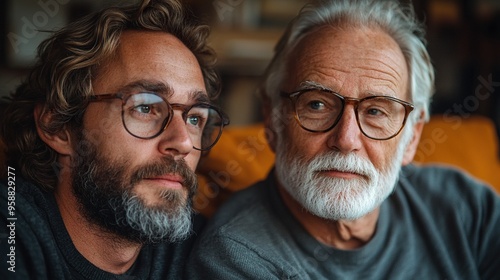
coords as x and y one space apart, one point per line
343 162
167 165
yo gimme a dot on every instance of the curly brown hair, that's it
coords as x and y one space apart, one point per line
61 80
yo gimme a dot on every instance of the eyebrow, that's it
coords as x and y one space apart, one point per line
312 85
197 95
315 85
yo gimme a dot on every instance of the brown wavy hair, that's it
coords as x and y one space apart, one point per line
61 79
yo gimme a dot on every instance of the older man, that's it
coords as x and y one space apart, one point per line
346 97
102 142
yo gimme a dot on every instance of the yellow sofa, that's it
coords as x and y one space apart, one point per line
242 156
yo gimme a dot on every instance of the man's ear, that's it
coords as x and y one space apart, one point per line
267 112
59 141
412 147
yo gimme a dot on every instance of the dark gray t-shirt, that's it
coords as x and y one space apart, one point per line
438 224
44 250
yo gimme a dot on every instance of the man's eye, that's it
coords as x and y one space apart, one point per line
376 112
373 112
144 109
316 105
193 120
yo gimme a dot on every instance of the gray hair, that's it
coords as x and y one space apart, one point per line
398 20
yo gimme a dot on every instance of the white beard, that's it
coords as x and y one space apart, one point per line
338 198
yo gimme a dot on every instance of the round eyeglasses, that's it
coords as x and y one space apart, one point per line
145 115
378 117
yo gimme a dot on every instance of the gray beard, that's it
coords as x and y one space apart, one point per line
107 200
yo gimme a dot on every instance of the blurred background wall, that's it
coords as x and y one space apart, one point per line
463 41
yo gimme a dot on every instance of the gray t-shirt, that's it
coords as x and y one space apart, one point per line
438 224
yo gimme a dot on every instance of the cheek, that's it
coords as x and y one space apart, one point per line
381 154
104 121
106 133
301 143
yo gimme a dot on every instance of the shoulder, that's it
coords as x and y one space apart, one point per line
25 198
245 231
246 212
167 260
27 203
443 180
27 218
464 210
447 192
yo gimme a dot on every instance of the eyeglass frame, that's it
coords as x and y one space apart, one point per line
293 96
172 106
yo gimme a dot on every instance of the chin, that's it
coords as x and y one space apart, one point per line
170 200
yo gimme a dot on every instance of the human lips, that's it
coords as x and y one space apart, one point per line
342 173
172 181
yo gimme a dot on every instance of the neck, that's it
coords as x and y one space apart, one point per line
106 251
341 234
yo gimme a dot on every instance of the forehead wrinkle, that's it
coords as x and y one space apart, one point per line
333 75
391 66
391 81
383 64
393 72
392 76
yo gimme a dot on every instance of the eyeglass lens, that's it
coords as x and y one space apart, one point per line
145 115
378 117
